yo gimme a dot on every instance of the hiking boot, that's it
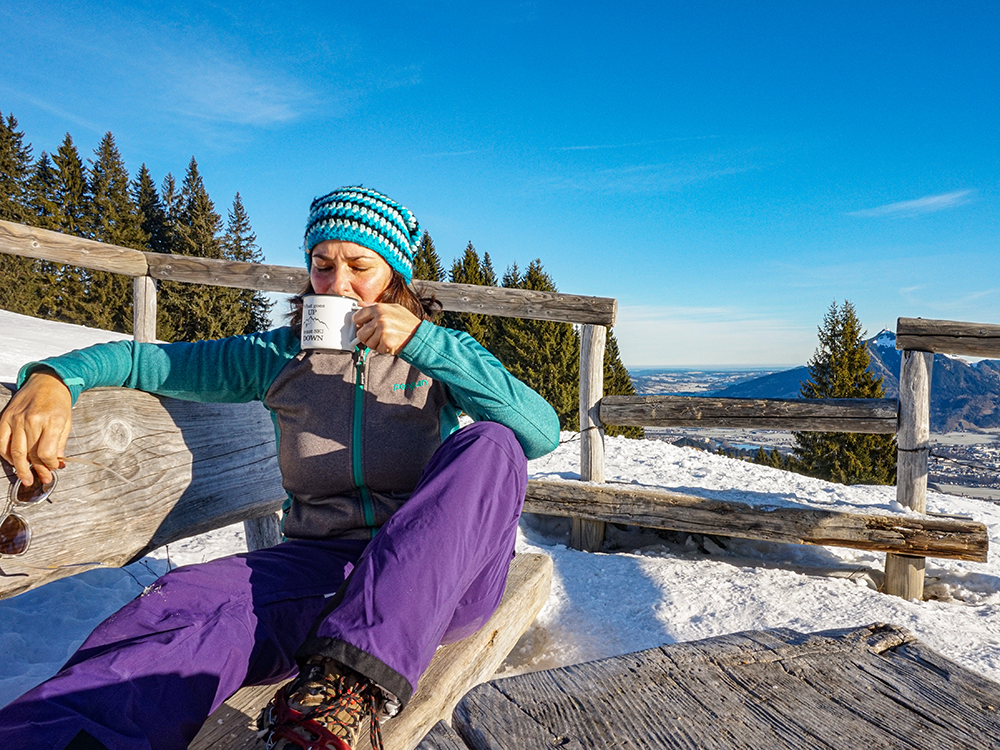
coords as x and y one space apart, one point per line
324 708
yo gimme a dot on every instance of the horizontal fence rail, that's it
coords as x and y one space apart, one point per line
867 415
228 273
948 337
523 303
42 244
656 508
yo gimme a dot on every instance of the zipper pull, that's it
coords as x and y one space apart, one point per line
360 358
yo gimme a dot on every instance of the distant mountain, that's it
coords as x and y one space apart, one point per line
963 395
783 384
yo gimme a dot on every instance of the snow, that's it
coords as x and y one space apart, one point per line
886 339
643 591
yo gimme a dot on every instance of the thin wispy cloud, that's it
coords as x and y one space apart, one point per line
52 109
647 178
230 91
452 153
605 146
927 205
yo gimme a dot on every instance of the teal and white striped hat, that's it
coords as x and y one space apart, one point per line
367 218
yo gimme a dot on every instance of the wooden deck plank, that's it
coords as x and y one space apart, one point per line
454 670
443 737
839 690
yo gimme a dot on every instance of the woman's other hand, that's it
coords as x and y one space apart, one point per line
385 328
35 426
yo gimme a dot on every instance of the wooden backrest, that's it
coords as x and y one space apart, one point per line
157 470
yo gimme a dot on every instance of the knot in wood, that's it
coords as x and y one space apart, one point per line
117 435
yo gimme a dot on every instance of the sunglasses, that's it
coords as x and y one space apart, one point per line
15 533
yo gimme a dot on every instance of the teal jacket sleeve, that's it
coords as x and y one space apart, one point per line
239 368
481 386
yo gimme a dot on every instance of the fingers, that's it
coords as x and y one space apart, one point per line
385 328
35 426
17 456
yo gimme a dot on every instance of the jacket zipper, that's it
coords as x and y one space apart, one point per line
367 509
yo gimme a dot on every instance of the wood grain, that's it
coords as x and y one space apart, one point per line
166 470
143 309
663 509
904 575
589 535
838 690
875 415
948 337
30 242
262 532
523 303
229 273
454 670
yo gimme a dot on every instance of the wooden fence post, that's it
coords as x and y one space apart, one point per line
589 535
904 575
143 309
264 531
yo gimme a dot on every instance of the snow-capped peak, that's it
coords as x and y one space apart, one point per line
886 339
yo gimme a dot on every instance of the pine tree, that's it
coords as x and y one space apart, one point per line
18 288
188 312
839 369
15 169
152 216
471 270
426 263
43 202
72 191
240 243
116 221
64 288
171 202
543 354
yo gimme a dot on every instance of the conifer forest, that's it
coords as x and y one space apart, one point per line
97 199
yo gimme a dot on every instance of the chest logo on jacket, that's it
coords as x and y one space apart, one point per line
409 386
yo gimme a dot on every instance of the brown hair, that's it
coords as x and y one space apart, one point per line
398 292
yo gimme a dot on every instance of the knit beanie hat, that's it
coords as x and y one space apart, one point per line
367 218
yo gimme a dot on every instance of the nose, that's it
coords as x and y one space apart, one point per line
340 283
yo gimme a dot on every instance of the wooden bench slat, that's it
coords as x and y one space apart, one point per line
455 669
870 687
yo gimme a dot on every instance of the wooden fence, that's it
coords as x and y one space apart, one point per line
906 540
593 314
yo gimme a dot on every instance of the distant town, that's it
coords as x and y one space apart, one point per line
964 461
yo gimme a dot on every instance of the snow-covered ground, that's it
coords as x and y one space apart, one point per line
643 591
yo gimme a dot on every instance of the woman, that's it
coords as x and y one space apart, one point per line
400 527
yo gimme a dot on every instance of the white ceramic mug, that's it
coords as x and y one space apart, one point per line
327 322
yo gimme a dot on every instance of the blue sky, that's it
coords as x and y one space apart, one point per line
725 170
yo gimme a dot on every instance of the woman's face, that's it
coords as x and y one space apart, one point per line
349 270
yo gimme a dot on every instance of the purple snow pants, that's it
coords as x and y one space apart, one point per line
148 677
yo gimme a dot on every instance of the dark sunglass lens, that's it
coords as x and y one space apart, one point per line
36 492
14 535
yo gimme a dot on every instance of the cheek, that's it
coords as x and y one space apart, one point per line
320 284
369 290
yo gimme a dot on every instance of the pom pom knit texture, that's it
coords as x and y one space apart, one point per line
367 218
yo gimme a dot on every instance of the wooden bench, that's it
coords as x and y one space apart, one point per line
872 687
148 471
